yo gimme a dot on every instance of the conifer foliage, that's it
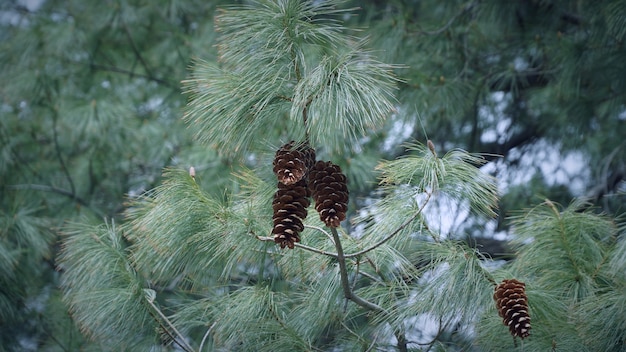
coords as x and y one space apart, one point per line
208 271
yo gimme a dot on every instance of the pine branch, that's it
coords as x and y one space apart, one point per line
102 288
349 293
345 282
64 192
57 148
136 50
133 74
300 245
179 339
392 234
573 242
468 7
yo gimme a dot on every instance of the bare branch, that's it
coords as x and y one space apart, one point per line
133 74
136 50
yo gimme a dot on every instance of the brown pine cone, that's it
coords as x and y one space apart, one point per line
512 304
330 192
308 155
292 163
290 208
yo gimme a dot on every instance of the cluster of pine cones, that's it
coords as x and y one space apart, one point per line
300 176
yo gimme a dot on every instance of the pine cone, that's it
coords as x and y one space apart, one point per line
512 304
291 164
290 204
330 192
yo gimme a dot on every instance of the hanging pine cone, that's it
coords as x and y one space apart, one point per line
512 304
330 192
290 204
291 163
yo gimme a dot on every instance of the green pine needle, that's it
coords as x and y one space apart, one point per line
572 243
346 95
455 174
102 290
287 69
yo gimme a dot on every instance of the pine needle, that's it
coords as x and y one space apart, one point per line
102 290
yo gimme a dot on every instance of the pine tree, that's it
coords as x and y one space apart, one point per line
90 116
289 70
89 106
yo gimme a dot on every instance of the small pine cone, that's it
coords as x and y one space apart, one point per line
512 304
330 192
291 163
290 204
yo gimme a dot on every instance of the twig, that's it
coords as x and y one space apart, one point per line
182 343
133 74
465 9
402 342
434 339
70 194
395 232
299 245
322 231
345 282
57 148
206 335
136 50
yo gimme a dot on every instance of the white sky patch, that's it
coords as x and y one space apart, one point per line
421 329
497 134
557 168
400 131
31 5
445 216
493 117
520 64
